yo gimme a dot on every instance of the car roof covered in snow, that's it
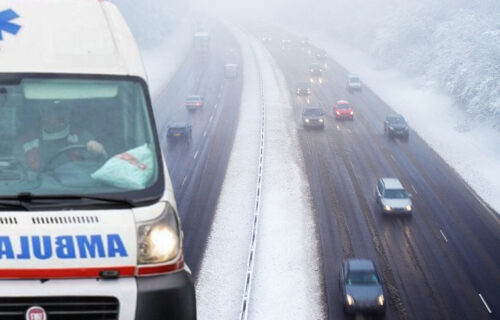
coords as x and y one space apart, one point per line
70 37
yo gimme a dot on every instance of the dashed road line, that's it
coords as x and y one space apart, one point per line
205 133
392 157
485 304
195 155
414 190
184 181
211 118
442 233
215 106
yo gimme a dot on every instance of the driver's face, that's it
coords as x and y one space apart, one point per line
55 119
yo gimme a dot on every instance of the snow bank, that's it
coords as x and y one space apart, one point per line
219 287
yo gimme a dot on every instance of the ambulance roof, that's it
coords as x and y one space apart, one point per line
67 36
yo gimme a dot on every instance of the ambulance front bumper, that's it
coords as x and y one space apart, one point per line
169 296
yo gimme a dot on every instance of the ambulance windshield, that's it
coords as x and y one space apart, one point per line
76 135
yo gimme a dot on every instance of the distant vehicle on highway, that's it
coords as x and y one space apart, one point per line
361 287
392 197
313 116
396 125
315 69
321 54
286 43
303 89
231 53
230 71
304 43
179 132
266 38
343 110
353 83
202 42
194 102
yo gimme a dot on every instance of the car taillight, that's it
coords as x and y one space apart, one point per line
198 104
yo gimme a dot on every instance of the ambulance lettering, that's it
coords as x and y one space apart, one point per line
62 247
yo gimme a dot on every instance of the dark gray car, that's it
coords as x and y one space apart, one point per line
179 132
396 125
313 117
361 287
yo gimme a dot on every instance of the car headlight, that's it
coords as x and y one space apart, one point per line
338 113
159 240
307 120
387 208
380 300
408 208
320 120
352 112
350 300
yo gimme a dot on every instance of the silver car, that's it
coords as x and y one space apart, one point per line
392 196
361 287
353 83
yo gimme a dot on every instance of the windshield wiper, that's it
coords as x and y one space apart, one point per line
25 198
15 205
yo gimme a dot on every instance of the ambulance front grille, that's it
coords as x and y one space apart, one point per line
8 220
61 308
65 220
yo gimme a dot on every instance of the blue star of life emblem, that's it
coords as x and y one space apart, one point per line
5 25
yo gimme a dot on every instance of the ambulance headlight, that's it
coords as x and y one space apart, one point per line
159 240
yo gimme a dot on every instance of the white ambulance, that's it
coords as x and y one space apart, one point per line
89 227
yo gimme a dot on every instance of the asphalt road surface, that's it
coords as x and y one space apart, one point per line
197 169
438 264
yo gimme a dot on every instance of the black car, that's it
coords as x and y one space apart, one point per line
361 287
396 125
179 132
303 89
315 69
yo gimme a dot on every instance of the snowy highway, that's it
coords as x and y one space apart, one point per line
442 263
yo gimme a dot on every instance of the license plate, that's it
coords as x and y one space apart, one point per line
177 134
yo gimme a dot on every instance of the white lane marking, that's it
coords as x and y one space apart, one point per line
184 181
195 155
205 134
442 233
349 130
215 106
414 190
485 304
393 157
211 118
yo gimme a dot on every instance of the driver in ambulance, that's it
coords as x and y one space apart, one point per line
41 146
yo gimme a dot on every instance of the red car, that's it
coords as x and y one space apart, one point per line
343 110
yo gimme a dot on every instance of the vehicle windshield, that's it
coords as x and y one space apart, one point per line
313 112
80 136
343 106
395 194
397 120
193 98
354 79
362 277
